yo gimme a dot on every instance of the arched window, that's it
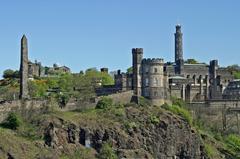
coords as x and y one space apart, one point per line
155 81
147 82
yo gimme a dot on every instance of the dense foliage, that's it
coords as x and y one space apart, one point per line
191 61
61 85
235 70
10 74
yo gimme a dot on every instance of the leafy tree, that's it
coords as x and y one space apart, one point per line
93 75
83 87
191 61
106 79
8 73
65 82
37 88
235 70
130 70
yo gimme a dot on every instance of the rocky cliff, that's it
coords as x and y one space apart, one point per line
133 132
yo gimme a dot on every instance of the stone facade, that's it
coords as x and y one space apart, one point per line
157 81
24 69
35 69
232 91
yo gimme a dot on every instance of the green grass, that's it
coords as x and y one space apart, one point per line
180 111
19 146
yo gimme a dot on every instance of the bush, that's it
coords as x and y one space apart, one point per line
211 152
233 142
13 121
107 152
154 120
104 103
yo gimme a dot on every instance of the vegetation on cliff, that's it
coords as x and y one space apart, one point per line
130 130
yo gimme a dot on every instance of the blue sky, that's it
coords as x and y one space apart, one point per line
101 33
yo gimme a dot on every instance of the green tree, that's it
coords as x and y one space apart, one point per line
37 88
235 70
191 61
130 70
8 73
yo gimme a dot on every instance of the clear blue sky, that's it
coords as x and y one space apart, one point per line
100 33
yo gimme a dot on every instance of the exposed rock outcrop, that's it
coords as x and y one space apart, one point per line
171 137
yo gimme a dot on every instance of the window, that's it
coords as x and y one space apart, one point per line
155 70
129 83
155 94
146 70
147 82
147 93
155 81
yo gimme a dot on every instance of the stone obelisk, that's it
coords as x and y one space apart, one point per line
24 69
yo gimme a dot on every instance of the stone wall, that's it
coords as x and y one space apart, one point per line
213 113
122 97
23 107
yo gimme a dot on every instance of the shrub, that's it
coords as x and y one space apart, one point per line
107 152
154 119
131 125
233 142
63 99
210 150
104 103
13 121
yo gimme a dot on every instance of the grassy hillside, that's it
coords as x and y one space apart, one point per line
28 140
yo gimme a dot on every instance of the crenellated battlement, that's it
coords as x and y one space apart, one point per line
137 50
150 61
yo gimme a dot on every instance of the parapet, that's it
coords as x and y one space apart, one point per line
137 50
150 61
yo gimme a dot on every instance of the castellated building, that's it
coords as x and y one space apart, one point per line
158 81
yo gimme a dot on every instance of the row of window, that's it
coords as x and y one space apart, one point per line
155 70
155 93
155 82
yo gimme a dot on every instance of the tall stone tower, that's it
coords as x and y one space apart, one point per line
178 44
24 69
179 50
137 55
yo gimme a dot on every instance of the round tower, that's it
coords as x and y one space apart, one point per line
178 44
153 85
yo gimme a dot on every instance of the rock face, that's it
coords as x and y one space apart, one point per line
171 137
24 69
